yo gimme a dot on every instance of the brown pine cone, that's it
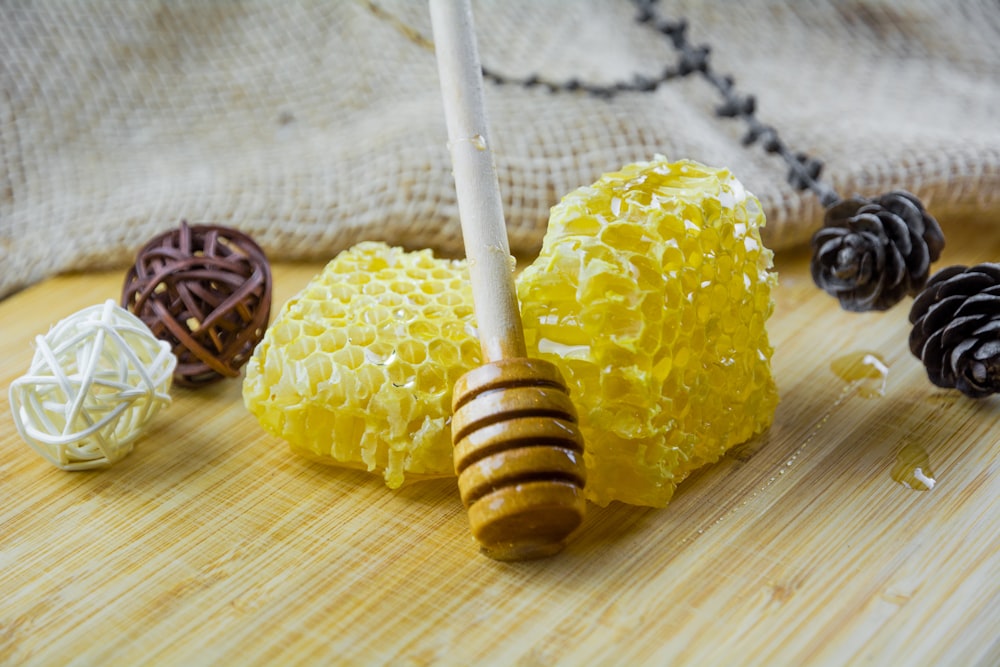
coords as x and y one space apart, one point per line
871 253
956 329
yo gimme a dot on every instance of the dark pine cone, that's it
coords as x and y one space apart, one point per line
956 329
871 253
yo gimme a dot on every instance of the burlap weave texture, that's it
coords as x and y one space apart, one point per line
314 125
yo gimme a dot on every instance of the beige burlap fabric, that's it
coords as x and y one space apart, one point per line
313 125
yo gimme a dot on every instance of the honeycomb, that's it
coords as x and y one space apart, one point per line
650 295
358 368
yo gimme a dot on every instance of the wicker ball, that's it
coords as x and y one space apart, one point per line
206 290
96 380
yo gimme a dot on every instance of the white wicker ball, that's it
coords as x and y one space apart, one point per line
96 380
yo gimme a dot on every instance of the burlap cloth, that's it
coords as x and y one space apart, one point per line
313 125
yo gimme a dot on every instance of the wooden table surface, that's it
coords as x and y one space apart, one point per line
212 544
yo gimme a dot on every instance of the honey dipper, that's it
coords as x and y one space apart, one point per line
517 447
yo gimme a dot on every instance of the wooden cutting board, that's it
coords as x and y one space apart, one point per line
212 544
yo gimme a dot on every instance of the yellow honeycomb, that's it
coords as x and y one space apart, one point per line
358 368
650 294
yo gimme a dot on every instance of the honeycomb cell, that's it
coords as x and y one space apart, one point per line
413 351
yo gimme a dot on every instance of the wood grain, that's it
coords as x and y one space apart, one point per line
212 544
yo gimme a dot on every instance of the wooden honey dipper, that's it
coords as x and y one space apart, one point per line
518 449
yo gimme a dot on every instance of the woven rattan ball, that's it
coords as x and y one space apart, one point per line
96 380
206 290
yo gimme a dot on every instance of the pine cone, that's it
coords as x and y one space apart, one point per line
871 253
956 329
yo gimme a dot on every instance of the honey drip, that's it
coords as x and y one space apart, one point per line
478 142
864 370
913 468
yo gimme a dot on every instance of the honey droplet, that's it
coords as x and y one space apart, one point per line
913 468
865 370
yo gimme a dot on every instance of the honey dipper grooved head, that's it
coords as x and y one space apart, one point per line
519 457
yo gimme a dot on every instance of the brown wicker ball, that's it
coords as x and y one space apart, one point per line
206 290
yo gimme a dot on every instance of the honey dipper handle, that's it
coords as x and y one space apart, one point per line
479 204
